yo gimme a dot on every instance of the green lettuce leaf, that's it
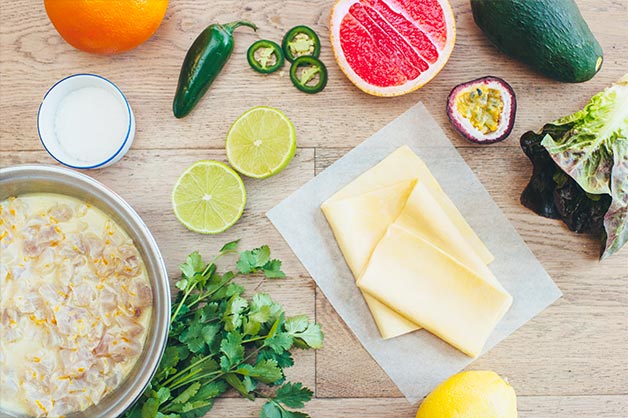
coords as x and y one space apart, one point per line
553 194
616 219
591 146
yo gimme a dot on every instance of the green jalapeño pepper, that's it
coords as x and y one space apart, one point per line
308 74
204 60
265 56
301 41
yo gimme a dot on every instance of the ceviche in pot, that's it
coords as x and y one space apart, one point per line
76 305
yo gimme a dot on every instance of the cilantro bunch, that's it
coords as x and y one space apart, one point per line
219 340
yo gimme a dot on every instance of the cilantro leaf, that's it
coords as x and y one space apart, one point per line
249 383
306 334
193 263
258 314
233 313
230 246
162 395
284 359
232 348
182 284
266 371
187 393
263 299
175 318
279 342
252 261
195 409
172 355
272 270
161 415
276 339
293 395
210 390
237 384
270 410
150 408
210 312
197 335
223 289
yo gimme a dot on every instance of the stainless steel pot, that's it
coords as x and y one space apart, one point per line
23 179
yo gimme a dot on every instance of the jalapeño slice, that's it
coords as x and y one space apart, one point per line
265 56
301 41
308 74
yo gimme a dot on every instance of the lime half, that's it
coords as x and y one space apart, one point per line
261 142
208 197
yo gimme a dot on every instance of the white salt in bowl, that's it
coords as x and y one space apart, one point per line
85 121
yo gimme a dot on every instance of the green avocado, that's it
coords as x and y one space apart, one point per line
550 36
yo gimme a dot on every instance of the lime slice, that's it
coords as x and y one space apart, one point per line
261 142
208 197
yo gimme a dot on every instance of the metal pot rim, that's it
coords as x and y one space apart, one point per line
35 178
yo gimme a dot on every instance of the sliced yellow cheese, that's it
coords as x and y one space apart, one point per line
430 288
424 216
404 164
358 223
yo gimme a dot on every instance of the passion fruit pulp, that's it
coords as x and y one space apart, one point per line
483 110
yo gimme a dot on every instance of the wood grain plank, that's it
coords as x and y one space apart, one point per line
34 57
529 407
576 347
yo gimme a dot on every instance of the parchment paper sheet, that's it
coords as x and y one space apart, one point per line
418 361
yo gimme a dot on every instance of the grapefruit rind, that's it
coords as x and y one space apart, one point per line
341 9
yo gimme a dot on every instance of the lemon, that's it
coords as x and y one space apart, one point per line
472 394
261 142
209 197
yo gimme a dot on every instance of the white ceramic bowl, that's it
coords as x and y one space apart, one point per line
48 110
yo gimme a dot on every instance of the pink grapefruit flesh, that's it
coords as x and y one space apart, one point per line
391 47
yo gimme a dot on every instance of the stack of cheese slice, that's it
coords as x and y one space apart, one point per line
415 258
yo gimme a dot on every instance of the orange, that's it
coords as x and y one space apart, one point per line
106 26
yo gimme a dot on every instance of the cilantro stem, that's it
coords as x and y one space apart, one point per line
176 312
254 352
223 253
213 292
192 377
167 407
187 293
220 373
250 340
191 366
187 381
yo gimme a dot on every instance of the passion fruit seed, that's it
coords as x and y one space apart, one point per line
483 107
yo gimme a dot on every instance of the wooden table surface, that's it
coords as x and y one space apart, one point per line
570 361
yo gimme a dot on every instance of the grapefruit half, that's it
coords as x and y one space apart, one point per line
392 47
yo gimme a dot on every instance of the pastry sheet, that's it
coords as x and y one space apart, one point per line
418 361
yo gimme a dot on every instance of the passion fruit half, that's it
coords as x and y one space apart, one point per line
483 110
